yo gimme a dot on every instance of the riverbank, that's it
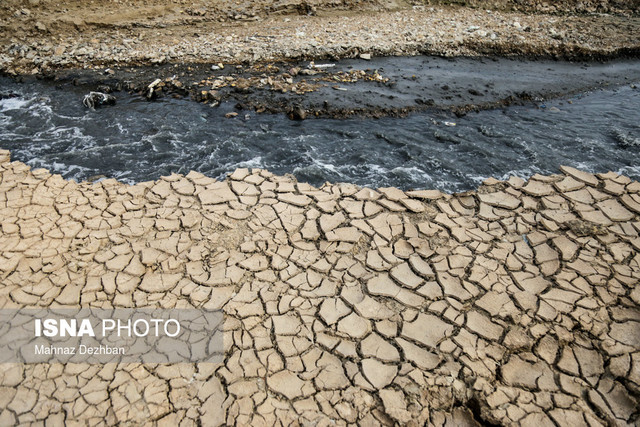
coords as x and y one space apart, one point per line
40 40
514 303
330 63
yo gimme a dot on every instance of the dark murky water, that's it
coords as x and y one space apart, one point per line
137 140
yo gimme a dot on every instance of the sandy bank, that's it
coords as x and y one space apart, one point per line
515 303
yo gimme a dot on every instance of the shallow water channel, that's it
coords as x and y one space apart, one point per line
137 140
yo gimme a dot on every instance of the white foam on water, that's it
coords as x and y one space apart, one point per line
327 166
629 170
377 168
122 129
478 179
40 107
74 172
414 173
583 166
9 104
256 162
625 139
98 148
157 139
319 165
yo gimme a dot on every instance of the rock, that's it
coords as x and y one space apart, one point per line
305 8
8 95
154 83
365 56
154 87
297 113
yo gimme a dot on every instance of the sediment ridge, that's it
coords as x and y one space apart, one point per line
516 303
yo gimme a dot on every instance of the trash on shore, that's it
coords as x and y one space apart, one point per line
96 99
340 88
450 124
151 88
314 65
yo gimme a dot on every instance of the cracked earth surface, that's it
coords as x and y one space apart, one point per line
516 304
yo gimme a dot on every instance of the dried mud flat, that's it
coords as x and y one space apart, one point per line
516 304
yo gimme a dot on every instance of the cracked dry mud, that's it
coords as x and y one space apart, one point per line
513 304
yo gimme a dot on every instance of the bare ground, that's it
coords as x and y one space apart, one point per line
433 309
343 305
39 36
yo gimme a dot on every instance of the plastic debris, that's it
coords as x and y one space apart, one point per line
95 99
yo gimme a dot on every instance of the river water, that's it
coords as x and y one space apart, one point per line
137 140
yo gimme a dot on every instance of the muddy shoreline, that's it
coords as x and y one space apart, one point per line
376 87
